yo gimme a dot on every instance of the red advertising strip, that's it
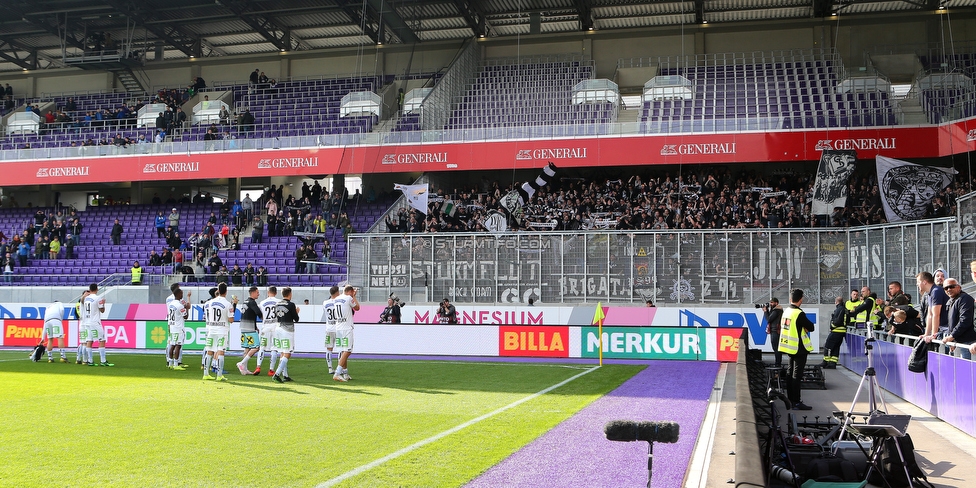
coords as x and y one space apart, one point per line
21 332
547 342
746 147
727 344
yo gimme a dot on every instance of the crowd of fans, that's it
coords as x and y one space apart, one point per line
700 197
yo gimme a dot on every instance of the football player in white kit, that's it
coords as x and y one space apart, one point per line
92 308
171 297
269 322
219 314
54 329
176 312
344 307
82 356
284 338
330 326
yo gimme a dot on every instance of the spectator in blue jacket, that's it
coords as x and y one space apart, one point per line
161 225
23 250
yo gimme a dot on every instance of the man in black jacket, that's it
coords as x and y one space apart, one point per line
838 331
960 318
249 328
117 233
774 314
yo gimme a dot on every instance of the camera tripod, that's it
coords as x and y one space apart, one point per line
869 382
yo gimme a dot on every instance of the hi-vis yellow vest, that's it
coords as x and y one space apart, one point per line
789 336
865 316
137 275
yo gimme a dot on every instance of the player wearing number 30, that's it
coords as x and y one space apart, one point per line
176 312
219 314
343 308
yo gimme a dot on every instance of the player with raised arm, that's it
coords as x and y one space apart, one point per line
54 329
249 328
270 322
344 307
92 308
219 314
176 312
284 339
330 326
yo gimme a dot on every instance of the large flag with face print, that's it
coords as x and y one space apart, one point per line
416 195
907 189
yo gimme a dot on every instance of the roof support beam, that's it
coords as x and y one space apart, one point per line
585 16
280 37
473 15
166 32
392 19
699 12
360 18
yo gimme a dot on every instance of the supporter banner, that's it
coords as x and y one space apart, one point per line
907 189
830 189
777 146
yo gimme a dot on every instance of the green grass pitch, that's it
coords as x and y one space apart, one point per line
140 424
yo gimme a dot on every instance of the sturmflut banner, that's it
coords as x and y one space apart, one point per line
830 189
907 189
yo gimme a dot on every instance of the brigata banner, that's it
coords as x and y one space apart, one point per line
751 147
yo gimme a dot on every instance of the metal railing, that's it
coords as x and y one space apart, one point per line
670 268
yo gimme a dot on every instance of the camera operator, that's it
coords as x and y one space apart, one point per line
446 313
774 315
391 314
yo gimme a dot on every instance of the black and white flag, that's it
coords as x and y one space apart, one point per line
907 189
514 202
830 189
417 195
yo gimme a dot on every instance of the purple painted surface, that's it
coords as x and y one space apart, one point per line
944 390
577 453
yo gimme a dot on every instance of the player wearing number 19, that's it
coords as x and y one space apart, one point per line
219 314
284 339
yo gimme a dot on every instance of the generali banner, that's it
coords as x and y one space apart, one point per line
900 143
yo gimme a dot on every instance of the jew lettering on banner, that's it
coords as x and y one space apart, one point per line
830 189
907 189
416 195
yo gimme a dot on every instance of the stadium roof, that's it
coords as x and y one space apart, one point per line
39 33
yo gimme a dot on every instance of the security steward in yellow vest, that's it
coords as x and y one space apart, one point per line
850 305
863 314
136 274
838 331
794 341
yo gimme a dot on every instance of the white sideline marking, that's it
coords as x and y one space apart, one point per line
698 470
436 437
